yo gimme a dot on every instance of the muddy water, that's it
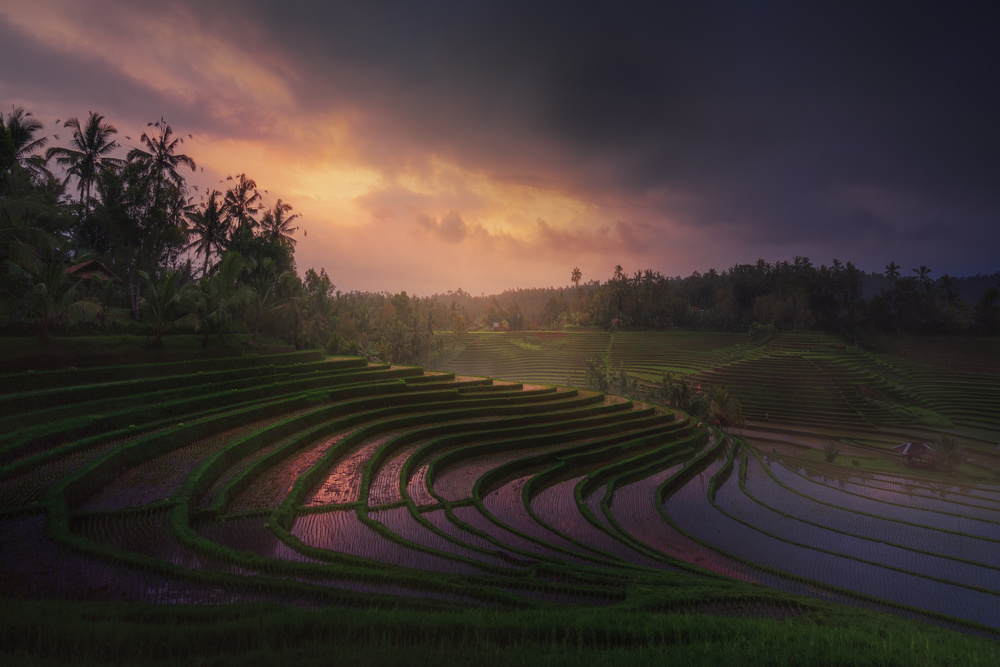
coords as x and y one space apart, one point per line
593 503
160 477
455 482
270 489
874 529
920 494
634 507
697 520
228 475
384 487
753 544
250 534
439 519
511 543
507 505
343 532
343 483
33 567
416 487
557 507
876 504
32 484
402 523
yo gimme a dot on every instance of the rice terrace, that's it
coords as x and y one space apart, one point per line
487 334
493 504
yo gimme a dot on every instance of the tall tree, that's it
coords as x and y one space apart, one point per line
210 228
575 276
948 291
892 271
22 127
140 235
53 296
161 157
276 225
924 277
223 294
169 302
241 204
90 150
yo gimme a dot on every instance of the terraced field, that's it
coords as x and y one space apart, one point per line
311 481
797 380
561 358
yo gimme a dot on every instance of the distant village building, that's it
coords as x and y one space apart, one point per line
914 452
92 269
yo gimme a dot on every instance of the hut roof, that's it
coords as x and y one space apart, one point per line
92 269
913 449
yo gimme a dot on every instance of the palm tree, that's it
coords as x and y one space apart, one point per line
222 295
210 227
724 407
241 203
167 302
923 275
575 276
161 156
266 294
951 453
90 147
20 237
830 451
22 127
892 271
277 228
53 295
947 284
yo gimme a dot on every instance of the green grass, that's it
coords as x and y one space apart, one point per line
46 633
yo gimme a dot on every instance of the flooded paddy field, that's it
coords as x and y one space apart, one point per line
465 491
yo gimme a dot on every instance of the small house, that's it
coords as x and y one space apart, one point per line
914 452
92 269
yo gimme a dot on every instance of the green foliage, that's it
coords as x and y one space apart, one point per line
92 634
680 393
724 408
830 451
952 454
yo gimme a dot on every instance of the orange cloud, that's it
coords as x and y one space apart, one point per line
381 210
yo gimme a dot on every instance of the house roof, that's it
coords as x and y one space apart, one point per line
913 449
92 269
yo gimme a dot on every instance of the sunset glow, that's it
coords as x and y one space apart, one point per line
476 156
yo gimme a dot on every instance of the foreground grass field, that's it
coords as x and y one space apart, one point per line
34 633
299 505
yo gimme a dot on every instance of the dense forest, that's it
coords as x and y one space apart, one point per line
95 238
785 295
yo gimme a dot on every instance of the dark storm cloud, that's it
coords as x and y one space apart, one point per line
93 83
89 82
452 228
760 110
757 120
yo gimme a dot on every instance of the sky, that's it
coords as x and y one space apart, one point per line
491 145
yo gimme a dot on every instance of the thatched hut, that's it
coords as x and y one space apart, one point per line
915 452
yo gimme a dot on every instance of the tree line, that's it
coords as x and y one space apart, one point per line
784 295
97 238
